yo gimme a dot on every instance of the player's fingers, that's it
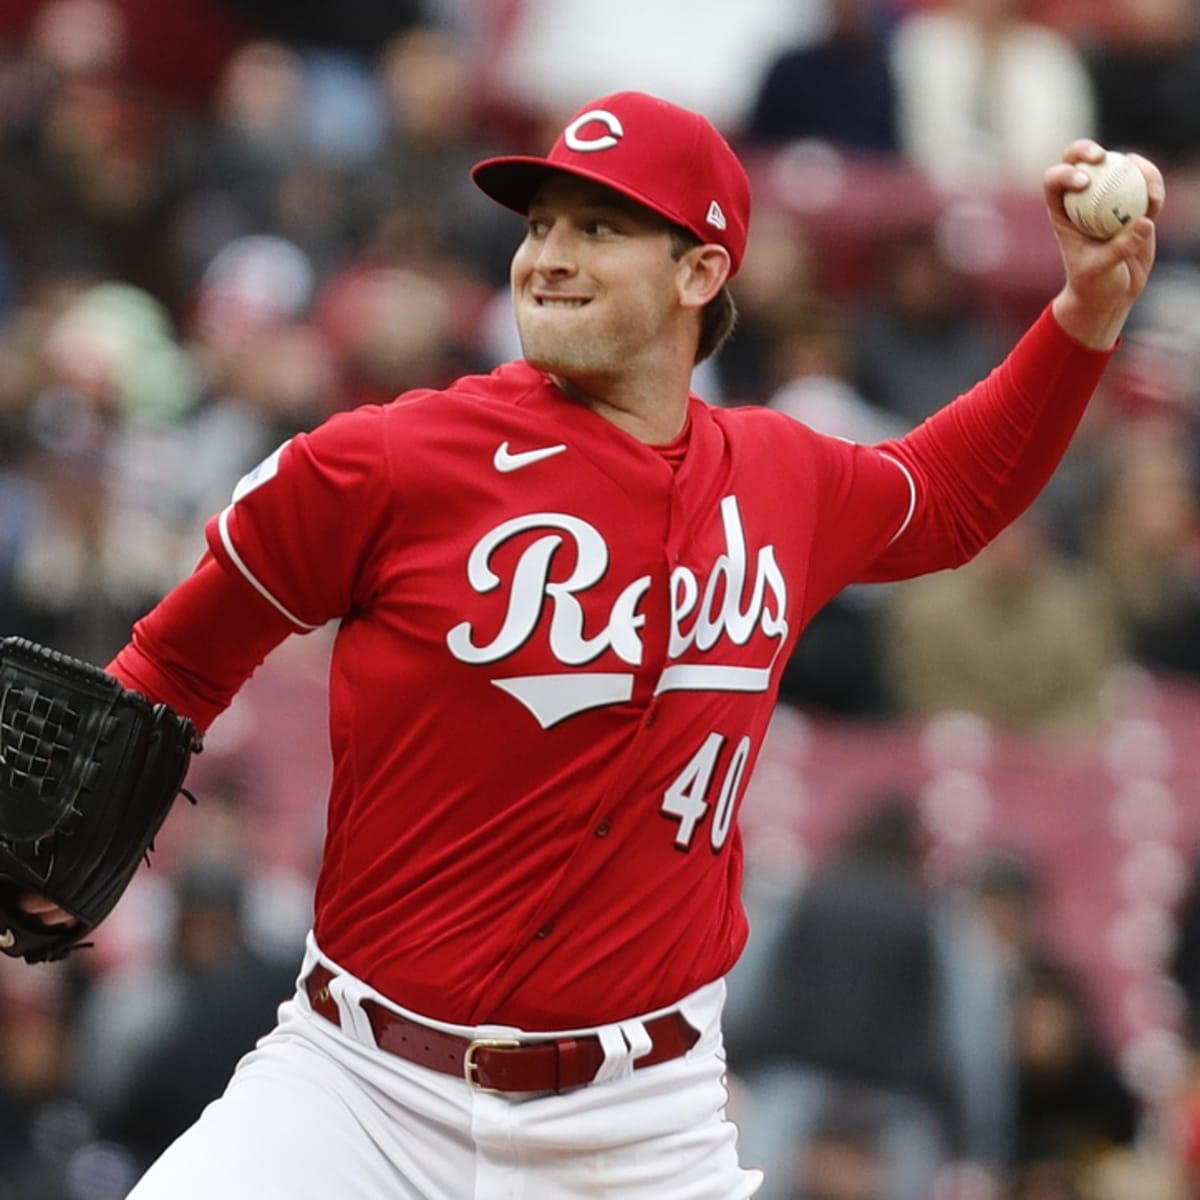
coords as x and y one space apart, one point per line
1136 244
45 910
1084 150
1061 178
1067 176
1156 187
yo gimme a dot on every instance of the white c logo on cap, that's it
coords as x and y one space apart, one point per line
586 145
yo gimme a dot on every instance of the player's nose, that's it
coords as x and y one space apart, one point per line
554 251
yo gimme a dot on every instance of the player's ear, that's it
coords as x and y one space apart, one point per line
703 272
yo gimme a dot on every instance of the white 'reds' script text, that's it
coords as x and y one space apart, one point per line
707 611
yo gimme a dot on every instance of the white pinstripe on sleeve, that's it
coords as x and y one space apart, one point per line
912 496
257 584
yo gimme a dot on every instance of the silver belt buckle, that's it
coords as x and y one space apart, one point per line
470 1066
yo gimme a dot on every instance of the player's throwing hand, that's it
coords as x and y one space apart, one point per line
1104 276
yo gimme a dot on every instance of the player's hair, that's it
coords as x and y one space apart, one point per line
720 313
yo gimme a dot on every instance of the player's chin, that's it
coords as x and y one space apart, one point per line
550 324
555 360
548 347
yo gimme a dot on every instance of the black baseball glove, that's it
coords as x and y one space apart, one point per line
88 772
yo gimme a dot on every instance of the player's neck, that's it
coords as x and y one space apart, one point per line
653 416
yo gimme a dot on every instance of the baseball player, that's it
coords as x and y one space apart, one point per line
566 591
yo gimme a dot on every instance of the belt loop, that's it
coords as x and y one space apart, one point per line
354 1021
638 1037
618 1062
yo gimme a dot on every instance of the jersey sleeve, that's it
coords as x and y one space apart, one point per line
200 643
866 499
303 526
983 459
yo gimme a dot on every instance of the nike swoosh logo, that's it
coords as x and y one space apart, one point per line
506 460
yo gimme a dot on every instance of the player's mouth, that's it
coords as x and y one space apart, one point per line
559 302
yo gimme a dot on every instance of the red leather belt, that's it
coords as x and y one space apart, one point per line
499 1064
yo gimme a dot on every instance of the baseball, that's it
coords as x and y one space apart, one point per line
1115 195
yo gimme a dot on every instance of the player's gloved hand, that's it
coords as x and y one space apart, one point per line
88 772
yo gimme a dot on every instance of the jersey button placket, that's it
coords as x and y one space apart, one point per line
603 828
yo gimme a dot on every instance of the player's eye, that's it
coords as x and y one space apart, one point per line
537 227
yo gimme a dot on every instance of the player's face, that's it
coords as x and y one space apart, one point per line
594 282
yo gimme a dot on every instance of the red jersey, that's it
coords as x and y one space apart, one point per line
559 650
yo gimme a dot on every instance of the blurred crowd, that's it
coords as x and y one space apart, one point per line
897 1031
223 220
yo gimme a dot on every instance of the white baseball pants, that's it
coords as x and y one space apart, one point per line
316 1112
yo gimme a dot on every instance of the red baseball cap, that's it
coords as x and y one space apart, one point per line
668 158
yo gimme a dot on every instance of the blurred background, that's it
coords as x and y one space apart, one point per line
973 841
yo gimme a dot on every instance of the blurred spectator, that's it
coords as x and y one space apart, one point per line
84 160
1158 373
779 271
561 52
157 1042
393 328
1072 1104
837 88
414 199
359 26
987 95
853 1015
230 166
1021 635
812 358
97 535
1008 897
1116 1175
48 1142
1147 79
843 1160
835 665
1144 542
835 669
268 371
920 337
282 382
1141 1173
1184 966
250 284
116 347
174 50
1052 1180
80 37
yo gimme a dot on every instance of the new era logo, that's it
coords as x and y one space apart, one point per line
716 216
